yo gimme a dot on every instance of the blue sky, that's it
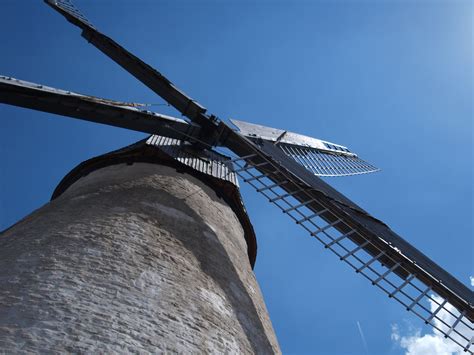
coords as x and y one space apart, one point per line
392 80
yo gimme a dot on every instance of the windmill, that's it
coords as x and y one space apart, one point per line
281 166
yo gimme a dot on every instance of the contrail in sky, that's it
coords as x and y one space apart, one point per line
363 338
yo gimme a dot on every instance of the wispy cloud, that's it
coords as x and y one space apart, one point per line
472 280
433 343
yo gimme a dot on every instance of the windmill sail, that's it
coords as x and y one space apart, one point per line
40 97
320 157
366 244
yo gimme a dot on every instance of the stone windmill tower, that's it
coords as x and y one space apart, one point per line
149 247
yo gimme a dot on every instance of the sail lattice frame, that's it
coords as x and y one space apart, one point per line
352 247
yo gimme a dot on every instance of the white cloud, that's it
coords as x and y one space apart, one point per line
472 280
433 343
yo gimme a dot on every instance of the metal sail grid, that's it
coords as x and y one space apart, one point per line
322 163
322 158
327 228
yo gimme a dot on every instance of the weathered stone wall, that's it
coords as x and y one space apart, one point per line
131 258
